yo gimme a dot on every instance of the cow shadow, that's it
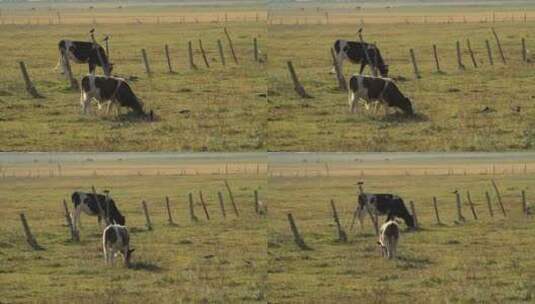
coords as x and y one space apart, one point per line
131 116
399 117
145 266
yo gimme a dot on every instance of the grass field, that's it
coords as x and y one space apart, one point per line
216 261
483 261
221 108
449 106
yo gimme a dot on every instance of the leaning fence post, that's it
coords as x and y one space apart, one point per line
221 54
460 64
145 62
489 204
414 65
72 81
29 236
471 53
204 205
203 54
168 59
524 203
297 237
221 204
489 52
256 206
342 236
148 224
435 205
498 196
471 205
297 85
499 45
255 49
435 54
413 210
29 85
192 65
75 236
524 51
460 216
342 84
231 46
232 198
191 209
169 217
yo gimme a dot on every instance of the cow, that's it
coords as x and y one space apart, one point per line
378 90
388 239
383 204
355 52
111 90
83 52
93 205
116 240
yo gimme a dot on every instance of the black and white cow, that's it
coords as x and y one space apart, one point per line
89 204
355 52
383 204
116 240
388 239
379 90
112 90
83 52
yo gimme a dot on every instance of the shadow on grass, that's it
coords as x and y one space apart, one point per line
145 266
398 117
408 261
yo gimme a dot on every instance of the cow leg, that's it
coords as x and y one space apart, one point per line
76 217
92 67
361 215
352 102
362 66
85 101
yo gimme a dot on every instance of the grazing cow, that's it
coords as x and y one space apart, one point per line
388 239
113 90
90 205
383 204
83 52
116 240
379 90
355 52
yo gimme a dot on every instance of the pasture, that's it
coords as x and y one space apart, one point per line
488 108
209 261
486 260
208 109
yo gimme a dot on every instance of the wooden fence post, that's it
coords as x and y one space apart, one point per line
169 65
191 209
342 84
435 54
524 51
342 236
414 65
204 205
231 46
169 216
203 53
67 65
232 198
30 88
256 204
255 49
498 196
221 54
489 52
146 62
29 236
435 205
471 52
148 224
460 216
75 235
298 87
471 204
489 204
524 203
460 64
221 204
192 65
499 45
414 215
297 237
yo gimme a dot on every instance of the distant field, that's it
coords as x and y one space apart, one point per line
488 260
216 109
221 260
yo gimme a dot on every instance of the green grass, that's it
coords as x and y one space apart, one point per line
216 261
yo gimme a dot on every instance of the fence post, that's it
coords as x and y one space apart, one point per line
96 47
221 204
204 205
221 54
342 84
29 236
498 196
297 237
342 236
471 53
231 45
75 236
232 198
255 49
30 88
145 62
460 64
256 206
413 210
435 54
489 52
72 81
524 203
524 51
148 224
489 204
169 217
203 54
192 65
460 216
471 204
169 65
414 65
191 209
298 87
435 205
499 45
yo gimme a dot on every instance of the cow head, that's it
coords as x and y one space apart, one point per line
128 256
120 219
406 106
